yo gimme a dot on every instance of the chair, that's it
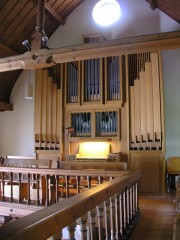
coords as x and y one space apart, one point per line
173 169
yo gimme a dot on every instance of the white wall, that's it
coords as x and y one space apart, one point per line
171 69
137 19
17 127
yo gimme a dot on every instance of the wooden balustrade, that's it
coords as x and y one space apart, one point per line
109 211
47 186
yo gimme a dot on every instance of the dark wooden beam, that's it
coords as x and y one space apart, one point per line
7 49
153 4
5 107
54 14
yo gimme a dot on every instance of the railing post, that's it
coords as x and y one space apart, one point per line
92 222
107 219
100 210
67 186
78 184
20 194
112 217
28 189
123 230
71 230
57 236
89 178
47 190
57 187
126 210
11 186
3 190
117 216
83 223
38 189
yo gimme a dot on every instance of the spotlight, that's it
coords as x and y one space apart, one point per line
44 39
26 44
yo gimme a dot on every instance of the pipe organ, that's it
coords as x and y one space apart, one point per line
145 101
47 117
116 99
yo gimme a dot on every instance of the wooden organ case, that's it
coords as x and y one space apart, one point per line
146 127
117 99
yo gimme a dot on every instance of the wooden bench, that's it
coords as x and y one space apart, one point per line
74 165
21 180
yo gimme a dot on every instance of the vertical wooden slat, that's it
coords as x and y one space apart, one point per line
149 101
156 96
143 106
137 112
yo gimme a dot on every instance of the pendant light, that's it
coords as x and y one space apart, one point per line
106 12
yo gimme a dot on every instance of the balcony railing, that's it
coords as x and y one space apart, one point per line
107 211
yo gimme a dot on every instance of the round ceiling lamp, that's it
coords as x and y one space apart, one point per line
106 12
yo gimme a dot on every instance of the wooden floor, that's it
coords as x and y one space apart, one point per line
157 218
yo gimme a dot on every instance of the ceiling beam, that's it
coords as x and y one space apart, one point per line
5 107
153 4
54 14
46 58
7 49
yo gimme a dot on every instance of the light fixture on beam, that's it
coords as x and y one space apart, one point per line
106 12
29 89
26 44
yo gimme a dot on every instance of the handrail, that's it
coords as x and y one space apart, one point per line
55 171
51 220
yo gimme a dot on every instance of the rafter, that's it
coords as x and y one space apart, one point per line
153 4
7 49
54 14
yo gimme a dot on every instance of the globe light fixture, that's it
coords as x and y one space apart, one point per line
106 12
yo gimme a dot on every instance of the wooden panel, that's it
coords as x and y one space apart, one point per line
152 164
156 96
149 102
